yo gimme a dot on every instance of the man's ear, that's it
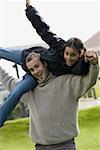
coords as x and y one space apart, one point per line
82 52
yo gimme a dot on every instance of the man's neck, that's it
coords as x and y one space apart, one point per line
44 82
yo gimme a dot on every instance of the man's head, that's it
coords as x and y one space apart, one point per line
73 51
36 66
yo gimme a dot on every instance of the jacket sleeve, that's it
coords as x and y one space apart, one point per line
43 29
81 68
84 83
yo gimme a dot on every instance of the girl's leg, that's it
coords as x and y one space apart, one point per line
25 85
14 55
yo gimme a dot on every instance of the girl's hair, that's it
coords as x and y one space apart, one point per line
76 44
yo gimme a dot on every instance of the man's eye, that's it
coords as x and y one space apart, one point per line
36 66
31 70
67 54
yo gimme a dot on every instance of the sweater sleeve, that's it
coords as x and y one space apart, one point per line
43 29
83 83
7 81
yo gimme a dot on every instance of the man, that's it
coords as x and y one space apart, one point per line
53 105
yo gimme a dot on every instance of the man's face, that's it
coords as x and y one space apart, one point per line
71 56
37 68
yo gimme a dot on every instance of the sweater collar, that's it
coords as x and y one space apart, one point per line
42 83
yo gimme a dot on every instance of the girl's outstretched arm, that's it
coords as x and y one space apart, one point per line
43 29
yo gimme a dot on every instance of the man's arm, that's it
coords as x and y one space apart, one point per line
7 81
42 28
84 83
10 83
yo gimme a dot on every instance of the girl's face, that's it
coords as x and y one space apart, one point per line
71 56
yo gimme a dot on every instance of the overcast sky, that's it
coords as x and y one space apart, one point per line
66 19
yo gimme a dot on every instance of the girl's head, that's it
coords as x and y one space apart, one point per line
73 51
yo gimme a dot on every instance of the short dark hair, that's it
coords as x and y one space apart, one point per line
26 52
30 56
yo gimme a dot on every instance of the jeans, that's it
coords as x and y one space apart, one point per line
28 83
13 55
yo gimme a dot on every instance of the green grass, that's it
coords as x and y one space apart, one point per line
89 122
97 88
14 134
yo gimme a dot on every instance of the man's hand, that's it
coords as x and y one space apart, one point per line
27 3
91 56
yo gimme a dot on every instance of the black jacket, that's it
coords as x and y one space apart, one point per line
54 55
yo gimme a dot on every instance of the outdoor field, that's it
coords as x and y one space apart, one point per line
14 134
97 88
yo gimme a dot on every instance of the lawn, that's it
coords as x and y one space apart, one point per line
14 134
89 122
97 88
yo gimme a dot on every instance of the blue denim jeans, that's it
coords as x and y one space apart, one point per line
13 55
28 83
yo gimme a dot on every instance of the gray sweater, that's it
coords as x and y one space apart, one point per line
53 105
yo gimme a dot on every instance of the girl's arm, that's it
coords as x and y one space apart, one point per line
43 29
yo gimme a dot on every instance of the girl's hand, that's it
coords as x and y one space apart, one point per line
27 3
91 56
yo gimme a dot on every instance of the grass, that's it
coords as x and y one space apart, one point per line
97 88
14 134
89 122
